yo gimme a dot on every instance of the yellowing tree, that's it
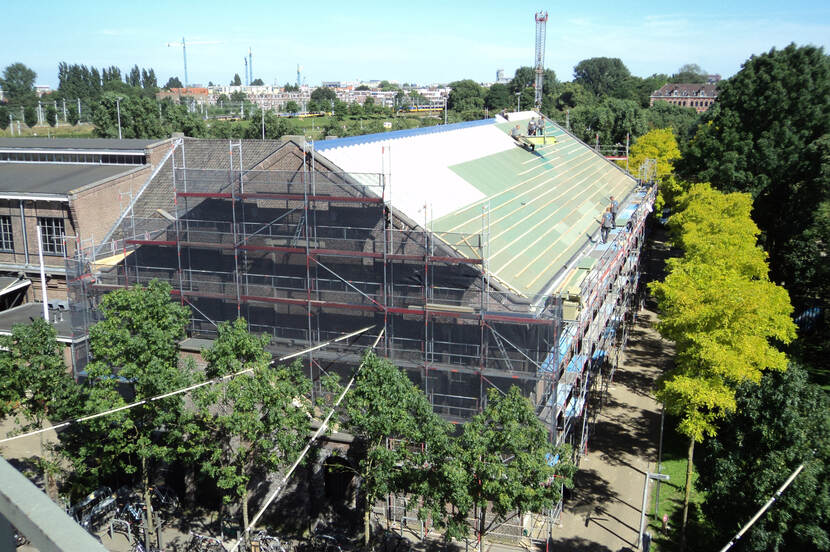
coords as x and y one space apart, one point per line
720 308
661 145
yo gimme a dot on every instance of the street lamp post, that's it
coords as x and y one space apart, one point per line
118 110
518 101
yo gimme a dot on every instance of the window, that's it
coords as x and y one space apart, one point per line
6 237
52 233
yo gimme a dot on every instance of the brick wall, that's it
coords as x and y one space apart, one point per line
95 209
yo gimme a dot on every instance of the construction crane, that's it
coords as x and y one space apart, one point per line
541 24
184 52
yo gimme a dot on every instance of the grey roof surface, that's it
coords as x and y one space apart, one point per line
53 178
25 314
77 143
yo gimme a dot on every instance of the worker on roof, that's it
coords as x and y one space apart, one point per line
531 127
515 133
615 206
606 224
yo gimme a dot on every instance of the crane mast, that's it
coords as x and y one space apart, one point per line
539 65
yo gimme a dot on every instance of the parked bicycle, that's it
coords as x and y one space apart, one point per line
204 543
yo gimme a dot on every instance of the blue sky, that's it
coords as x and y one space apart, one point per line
433 42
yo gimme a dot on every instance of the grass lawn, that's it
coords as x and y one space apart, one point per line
675 450
81 130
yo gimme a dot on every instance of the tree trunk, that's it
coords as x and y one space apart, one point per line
245 510
481 527
148 503
689 468
367 523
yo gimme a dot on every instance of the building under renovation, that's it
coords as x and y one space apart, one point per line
478 258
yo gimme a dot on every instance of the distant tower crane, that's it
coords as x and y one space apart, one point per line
541 24
245 79
184 53
250 66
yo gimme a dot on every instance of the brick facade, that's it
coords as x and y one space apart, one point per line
697 96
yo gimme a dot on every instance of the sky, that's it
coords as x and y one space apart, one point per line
423 42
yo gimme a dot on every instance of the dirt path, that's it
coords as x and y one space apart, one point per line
603 513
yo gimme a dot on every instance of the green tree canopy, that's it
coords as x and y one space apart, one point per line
173 82
257 82
324 95
51 115
769 135
719 307
18 84
248 424
777 425
504 461
30 116
612 119
466 95
135 345
385 406
690 73
498 97
236 81
601 75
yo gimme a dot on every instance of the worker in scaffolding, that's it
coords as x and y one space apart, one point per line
606 224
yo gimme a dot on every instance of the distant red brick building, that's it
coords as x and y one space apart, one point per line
698 96
198 93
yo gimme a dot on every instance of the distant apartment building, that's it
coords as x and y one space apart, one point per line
698 96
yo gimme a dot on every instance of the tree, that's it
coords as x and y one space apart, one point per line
571 95
133 78
173 82
690 73
136 342
504 461
498 97
641 89
682 120
612 119
247 425
236 81
466 95
601 75
18 84
778 424
72 115
51 115
323 95
178 119
292 107
4 117
719 307
239 96
148 79
287 87
257 82
388 415
35 383
30 116
768 135
660 145
139 118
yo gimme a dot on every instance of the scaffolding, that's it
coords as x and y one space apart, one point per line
305 252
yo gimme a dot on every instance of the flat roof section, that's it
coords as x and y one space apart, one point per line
43 179
80 144
26 314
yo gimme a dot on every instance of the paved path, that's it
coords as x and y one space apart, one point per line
603 513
